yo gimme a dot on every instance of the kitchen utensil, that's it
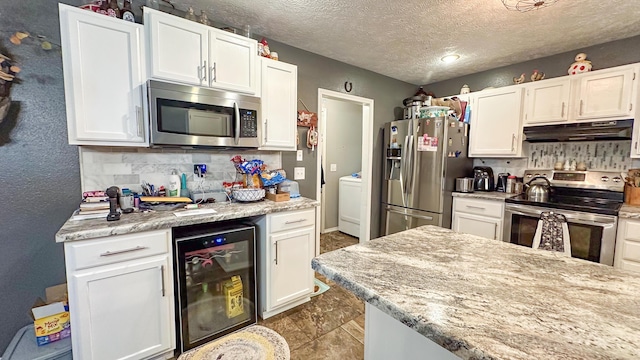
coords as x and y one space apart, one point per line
164 199
502 182
538 192
464 185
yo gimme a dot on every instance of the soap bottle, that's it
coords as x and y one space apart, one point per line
174 184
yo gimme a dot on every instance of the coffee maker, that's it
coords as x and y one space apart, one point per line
483 178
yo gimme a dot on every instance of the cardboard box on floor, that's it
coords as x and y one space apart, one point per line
51 317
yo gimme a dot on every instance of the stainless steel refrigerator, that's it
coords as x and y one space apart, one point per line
422 158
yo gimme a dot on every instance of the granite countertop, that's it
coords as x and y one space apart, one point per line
137 222
629 212
486 299
487 195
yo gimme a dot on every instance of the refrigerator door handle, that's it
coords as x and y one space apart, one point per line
410 164
403 169
423 217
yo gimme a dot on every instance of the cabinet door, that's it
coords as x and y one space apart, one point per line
279 97
233 62
179 48
547 102
104 78
627 253
291 275
123 310
489 228
635 148
496 123
603 95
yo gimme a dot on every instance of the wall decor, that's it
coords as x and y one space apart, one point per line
307 118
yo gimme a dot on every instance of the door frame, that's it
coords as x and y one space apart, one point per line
367 159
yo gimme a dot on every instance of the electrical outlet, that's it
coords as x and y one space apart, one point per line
298 173
333 167
199 170
299 155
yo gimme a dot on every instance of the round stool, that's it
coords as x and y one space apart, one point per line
253 343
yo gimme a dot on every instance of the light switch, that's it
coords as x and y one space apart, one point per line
298 173
299 155
333 167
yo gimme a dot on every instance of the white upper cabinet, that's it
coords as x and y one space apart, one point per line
605 94
233 62
104 79
496 123
547 102
188 52
279 97
178 48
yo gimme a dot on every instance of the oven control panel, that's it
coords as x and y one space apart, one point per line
604 180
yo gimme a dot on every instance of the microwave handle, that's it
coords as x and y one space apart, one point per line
237 126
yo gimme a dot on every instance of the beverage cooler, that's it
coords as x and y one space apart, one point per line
215 277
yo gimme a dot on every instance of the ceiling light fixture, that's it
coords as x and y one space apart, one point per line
527 5
450 58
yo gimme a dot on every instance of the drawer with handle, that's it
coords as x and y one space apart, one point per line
291 220
113 249
480 207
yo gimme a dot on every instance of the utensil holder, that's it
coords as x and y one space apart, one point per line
631 195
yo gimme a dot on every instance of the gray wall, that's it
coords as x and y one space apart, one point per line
315 71
39 171
344 148
602 56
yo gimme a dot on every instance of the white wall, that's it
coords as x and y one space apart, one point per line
343 148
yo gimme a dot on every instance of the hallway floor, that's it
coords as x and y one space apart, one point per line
331 325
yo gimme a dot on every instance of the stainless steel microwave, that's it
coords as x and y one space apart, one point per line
191 116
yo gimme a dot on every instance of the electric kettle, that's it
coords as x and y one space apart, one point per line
538 192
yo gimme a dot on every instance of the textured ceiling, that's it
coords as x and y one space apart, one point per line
406 39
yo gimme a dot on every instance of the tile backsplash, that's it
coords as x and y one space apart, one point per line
101 167
597 155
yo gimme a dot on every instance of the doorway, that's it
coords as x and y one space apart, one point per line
358 117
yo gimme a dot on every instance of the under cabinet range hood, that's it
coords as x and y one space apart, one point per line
586 131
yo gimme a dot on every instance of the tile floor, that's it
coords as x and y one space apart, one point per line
331 325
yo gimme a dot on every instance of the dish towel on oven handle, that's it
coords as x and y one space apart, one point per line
552 233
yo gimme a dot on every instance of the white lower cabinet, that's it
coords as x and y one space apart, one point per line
121 296
286 243
627 254
478 217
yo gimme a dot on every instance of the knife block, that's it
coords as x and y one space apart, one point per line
631 195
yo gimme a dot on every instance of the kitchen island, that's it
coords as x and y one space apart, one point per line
450 294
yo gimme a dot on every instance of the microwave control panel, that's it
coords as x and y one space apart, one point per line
248 123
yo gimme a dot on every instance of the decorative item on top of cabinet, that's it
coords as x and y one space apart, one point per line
204 19
537 75
191 15
581 65
465 89
519 80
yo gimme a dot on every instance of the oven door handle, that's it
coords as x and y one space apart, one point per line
237 122
598 220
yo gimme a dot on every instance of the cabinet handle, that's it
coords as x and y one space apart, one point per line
111 253
265 130
513 142
214 72
630 107
276 253
580 107
475 207
204 72
562 112
495 232
139 121
162 279
294 221
636 146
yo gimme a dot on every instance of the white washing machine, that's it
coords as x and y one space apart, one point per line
349 192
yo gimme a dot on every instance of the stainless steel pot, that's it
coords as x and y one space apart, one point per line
464 185
538 192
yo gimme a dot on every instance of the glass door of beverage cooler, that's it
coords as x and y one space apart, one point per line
216 282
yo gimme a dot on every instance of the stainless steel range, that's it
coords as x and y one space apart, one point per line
590 201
